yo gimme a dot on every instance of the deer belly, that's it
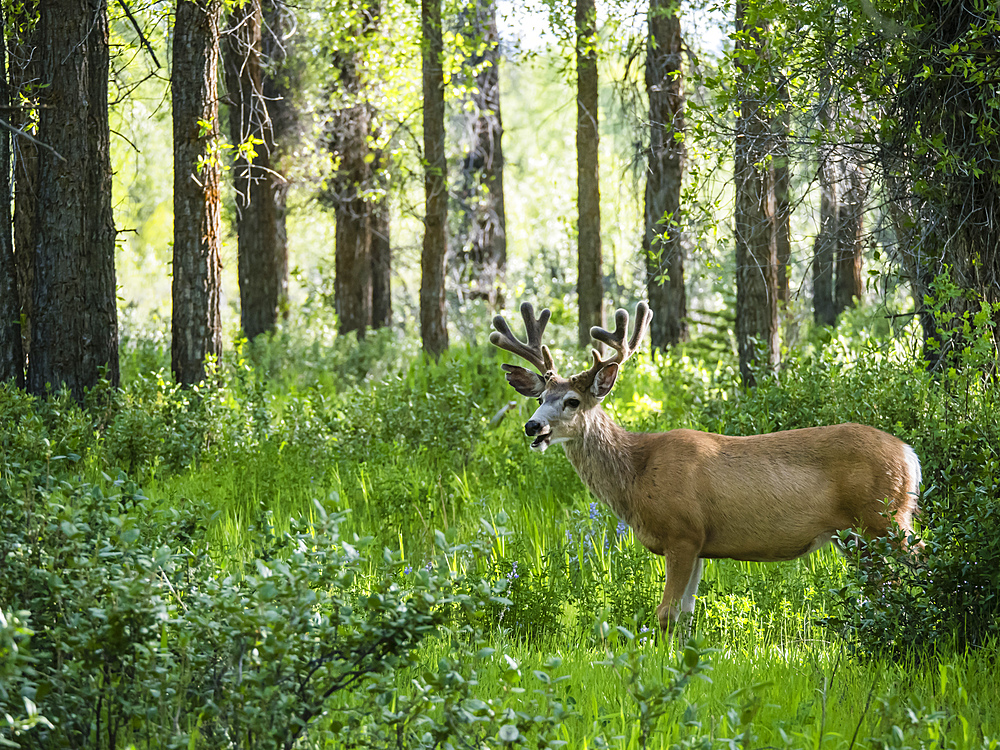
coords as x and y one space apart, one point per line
776 548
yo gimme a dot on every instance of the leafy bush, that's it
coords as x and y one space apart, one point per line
139 636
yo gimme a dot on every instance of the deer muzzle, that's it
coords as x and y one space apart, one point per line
540 431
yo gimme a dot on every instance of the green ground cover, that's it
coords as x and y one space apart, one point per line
174 555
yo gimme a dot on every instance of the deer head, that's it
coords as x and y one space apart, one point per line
565 402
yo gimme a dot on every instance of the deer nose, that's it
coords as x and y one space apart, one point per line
532 428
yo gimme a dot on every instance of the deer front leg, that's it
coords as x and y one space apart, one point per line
683 568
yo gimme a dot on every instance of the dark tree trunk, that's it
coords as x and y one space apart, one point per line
825 246
75 320
484 220
353 281
381 255
849 288
755 232
590 283
260 253
25 82
361 174
278 83
196 328
662 243
11 353
433 315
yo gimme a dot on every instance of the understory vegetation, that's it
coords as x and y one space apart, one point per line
334 544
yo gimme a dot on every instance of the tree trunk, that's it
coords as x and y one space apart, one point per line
484 221
25 83
353 281
825 246
850 287
782 194
75 323
755 235
260 261
433 315
196 328
662 241
381 256
590 286
11 353
279 83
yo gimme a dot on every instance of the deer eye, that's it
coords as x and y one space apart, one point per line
571 403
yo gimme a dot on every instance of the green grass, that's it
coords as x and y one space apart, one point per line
410 451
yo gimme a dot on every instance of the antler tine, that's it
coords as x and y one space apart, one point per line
534 351
616 341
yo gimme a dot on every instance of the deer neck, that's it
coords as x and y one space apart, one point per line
602 457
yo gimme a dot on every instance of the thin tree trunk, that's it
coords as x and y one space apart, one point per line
75 325
258 260
849 288
433 315
782 195
590 283
278 83
196 327
484 219
11 353
381 256
25 82
662 241
825 246
755 232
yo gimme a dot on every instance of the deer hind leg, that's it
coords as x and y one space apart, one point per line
687 601
683 568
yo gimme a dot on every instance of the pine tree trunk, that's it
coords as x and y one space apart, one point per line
433 315
849 288
259 259
662 241
196 328
11 353
755 231
484 220
590 283
75 319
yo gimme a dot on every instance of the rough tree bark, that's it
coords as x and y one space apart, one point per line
782 193
483 219
755 235
75 320
849 287
280 83
381 255
25 82
353 280
261 260
590 286
662 245
196 327
433 315
11 352
825 245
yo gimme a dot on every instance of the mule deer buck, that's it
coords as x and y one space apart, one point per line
692 495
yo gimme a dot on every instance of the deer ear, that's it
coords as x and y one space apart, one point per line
604 380
525 382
